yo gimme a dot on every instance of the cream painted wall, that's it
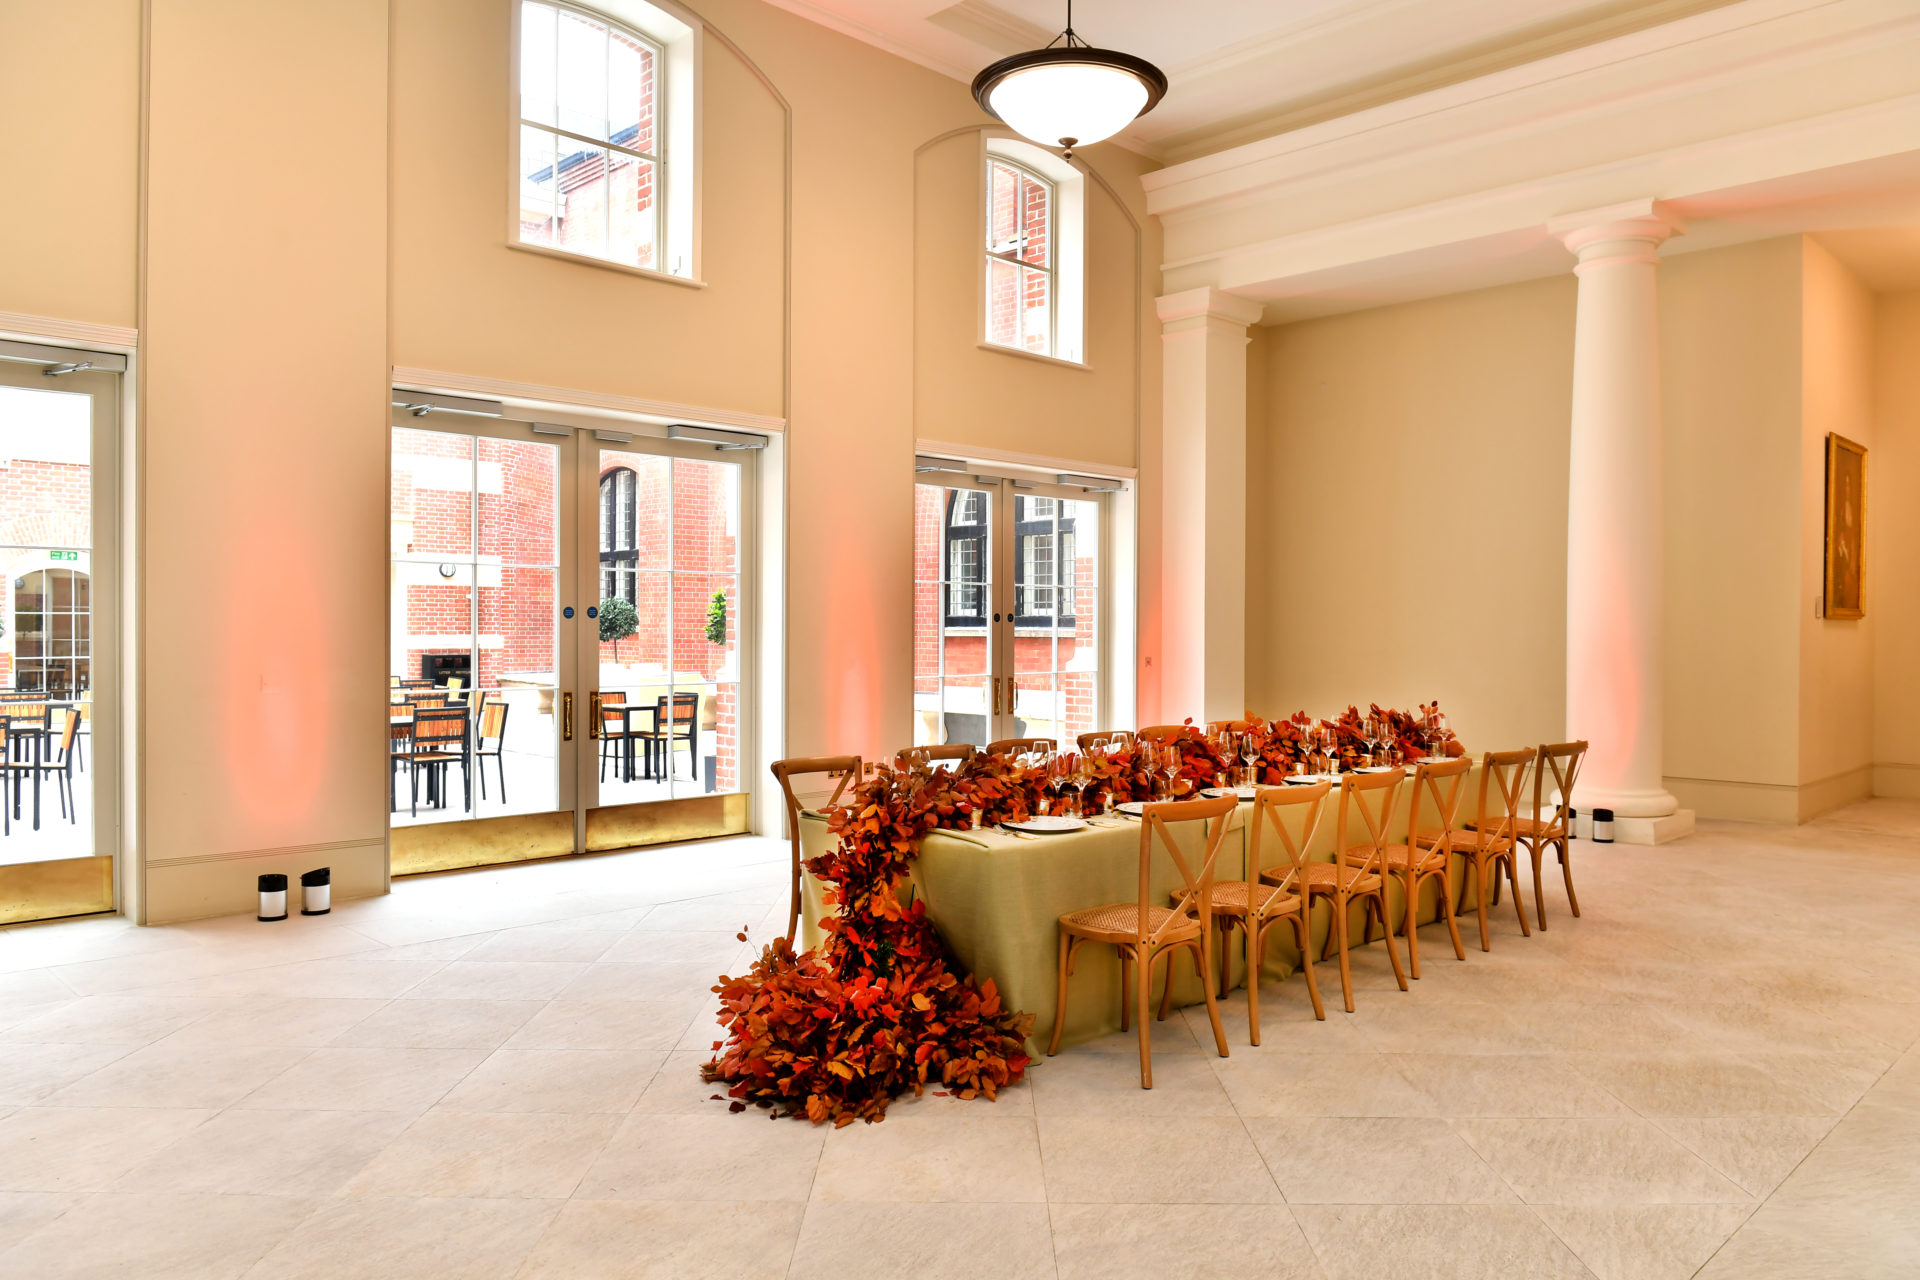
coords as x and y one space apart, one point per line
1009 402
1893 546
1730 369
70 94
1407 503
263 408
1836 655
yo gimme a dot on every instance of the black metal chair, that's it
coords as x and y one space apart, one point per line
493 728
60 765
682 725
614 728
442 736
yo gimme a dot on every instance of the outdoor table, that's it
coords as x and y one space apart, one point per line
626 712
996 900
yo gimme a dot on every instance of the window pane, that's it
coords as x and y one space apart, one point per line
706 606
1079 703
1036 310
633 211
1003 302
519 627
582 222
962 711
431 505
536 62
640 654
706 516
700 738
1036 200
635 508
540 205
1036 707
630 93
926 629
1003 207
519 483
583 75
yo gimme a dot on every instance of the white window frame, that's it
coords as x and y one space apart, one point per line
1067 245
674 33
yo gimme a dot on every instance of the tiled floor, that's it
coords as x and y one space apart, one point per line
1712 1073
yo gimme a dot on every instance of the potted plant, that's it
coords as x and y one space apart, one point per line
618 620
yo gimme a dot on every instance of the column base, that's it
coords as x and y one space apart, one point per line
1662 830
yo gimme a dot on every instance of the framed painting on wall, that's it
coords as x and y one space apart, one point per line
1846 526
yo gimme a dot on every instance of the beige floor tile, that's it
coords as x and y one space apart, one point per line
30 1072
486 1156
298 1023
545 943
1156 1241
128 1020
608 1024
1787 1243
439 1024
1317 1084
1757 1152
1078 1082
1375 1161
1596 1162
1396 1023
1435 1242
1204 1160
1871 1159
336 1079
24 1212
84 1148
1287 1024
639 1240
1686 1084
178 1075
925 1241
342 979
1505 1085
957 1155
560 1080
717 1157
716 948
157 1237
404 1239
1598 1027
653 981
279 1153
1644 1242
498 980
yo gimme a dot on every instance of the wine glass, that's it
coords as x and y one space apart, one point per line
1249 752
1167 758
1441 732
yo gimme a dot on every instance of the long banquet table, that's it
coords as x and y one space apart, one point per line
996 899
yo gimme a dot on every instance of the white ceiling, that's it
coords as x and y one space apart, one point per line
1245 69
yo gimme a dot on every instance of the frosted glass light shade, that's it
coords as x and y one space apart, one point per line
1069 97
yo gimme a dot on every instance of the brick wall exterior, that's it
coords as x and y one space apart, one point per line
42 504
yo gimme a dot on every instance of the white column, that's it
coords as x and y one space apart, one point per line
1203 518
1614 534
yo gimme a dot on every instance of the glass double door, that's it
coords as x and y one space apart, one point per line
58 710
564 668
1007 612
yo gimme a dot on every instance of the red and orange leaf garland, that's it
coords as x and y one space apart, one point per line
839 1032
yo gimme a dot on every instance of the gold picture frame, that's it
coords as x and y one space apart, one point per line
1843 584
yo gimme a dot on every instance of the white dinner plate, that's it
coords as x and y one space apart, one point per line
1047 825
1305 779
1240 793
1132 808
1378 768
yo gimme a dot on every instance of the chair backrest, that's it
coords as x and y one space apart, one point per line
1372 795
686 710
440 726
423 699
1196 888
1504 771
1562 760
1161 732
849 770
1278 806
414 684
1019 746
1226 726
71 715
493 720
1427 783
1102 737
928 754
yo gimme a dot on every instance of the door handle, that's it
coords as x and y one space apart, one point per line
566 716
995 682
593 711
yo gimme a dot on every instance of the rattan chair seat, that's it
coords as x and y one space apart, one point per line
1322 876
1230 898
1121 920
1529 827
1468 840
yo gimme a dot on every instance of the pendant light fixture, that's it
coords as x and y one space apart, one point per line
1069 94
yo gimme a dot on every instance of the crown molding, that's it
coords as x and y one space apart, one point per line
68 333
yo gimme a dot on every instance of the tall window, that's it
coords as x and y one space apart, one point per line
966 558
1043 586
1020 258
619 536
592 137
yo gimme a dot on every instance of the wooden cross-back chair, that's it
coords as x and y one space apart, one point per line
1019 746
1143 931
1422 859
1561 761
961 751
848 769
1102 737
1276 894
1358 871
1487 840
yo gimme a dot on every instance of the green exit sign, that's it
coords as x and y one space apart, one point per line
63 555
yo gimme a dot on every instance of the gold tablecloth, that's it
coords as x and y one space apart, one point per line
996 900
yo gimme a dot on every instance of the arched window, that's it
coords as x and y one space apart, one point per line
599 170
53 639
1021 289
967 545
619 536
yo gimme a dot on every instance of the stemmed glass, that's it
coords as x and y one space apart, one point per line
1441 732
1166 759
1370 734
1249 752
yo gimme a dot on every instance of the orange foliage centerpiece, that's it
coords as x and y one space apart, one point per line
838 1032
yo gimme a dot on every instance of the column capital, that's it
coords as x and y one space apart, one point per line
1205 307
1637 227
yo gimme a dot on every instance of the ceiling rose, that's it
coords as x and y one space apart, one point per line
1069 94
